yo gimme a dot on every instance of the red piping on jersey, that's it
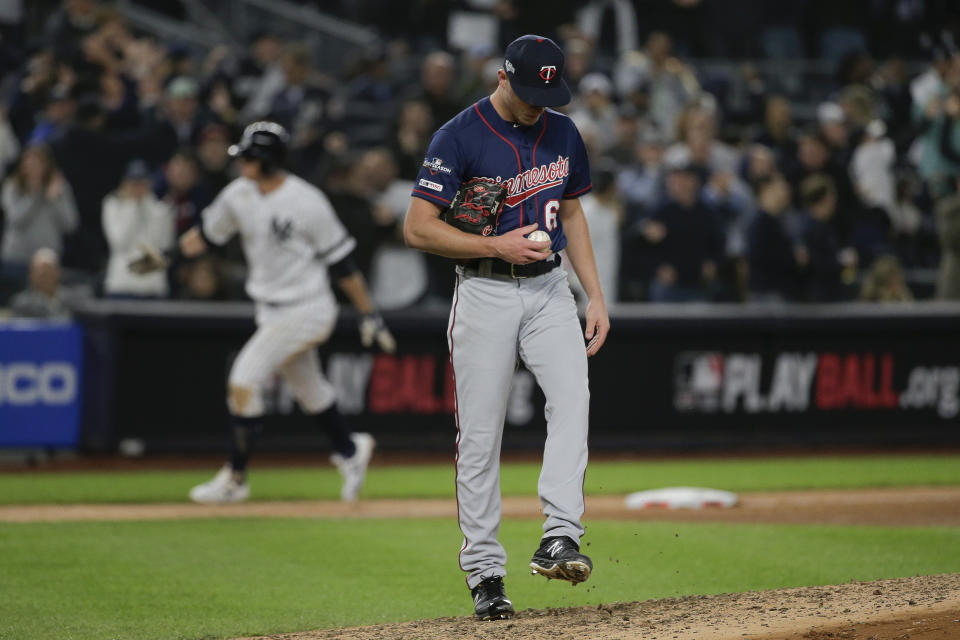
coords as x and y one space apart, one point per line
536 199
512 146
567 196
499 135
447 202
456 416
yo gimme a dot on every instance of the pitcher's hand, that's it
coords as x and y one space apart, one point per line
516 248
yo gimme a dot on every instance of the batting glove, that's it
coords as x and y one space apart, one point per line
374 330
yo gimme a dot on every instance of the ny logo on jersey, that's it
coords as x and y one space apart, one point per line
281 229
547 72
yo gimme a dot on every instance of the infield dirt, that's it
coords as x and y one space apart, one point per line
916 506
919 608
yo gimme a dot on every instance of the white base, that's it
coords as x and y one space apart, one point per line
681 498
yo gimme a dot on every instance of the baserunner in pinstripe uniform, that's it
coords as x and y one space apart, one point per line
294 244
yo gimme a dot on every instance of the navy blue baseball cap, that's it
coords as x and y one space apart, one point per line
535 65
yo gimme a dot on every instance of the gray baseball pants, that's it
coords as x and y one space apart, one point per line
493 322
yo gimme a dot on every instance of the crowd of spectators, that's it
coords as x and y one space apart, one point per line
706 188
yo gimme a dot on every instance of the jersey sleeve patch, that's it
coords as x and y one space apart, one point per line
441 171
435 165
428 184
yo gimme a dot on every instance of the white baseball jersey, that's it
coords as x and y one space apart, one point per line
289 236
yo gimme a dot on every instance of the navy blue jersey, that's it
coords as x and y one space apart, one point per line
540 164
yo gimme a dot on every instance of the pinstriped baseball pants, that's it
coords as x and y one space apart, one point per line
286 341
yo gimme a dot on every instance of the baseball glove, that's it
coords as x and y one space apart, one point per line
476 207
149 260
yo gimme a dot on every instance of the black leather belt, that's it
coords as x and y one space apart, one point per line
492 267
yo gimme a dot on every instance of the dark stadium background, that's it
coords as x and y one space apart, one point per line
819 264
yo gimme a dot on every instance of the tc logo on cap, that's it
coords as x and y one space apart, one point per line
534 65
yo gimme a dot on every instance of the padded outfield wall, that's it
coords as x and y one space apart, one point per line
677 376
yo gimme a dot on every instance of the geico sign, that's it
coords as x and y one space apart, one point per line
28 383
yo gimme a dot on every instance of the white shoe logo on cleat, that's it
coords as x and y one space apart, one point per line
555 547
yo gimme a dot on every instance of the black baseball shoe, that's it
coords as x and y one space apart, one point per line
560 558
490 600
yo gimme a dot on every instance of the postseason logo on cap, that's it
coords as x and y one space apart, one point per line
535 67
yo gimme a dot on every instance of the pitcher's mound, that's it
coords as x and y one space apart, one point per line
920 608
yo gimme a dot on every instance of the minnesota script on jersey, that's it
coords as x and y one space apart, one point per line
538 170
289 236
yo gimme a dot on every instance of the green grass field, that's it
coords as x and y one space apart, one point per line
205 579
436 481
218 578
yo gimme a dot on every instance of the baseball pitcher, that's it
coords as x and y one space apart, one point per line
499 192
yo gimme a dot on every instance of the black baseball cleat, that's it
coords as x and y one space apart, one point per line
490 600
560 558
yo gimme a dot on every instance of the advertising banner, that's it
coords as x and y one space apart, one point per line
859 377
41 367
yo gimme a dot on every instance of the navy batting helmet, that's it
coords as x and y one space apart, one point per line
263 141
